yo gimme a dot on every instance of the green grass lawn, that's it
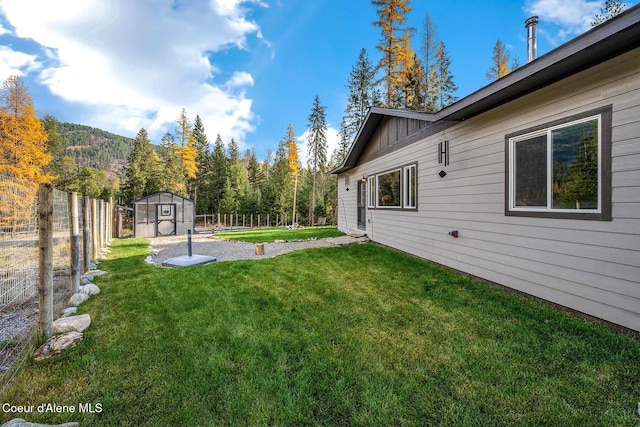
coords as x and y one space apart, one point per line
264 235
355 335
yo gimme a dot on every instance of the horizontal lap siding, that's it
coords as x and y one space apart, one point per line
589 266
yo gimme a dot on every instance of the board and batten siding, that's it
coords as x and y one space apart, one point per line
589 266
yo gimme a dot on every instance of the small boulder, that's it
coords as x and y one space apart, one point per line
69 311
77 299
93 273
74 323
89 289
56 344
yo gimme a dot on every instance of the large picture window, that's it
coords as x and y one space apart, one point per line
394 189
562 169
389 189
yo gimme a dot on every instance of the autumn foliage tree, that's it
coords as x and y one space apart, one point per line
391 17
187 149
500 60
294 165
23 149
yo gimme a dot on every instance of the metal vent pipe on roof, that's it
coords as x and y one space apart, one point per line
532 42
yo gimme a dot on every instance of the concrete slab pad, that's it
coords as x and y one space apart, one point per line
186 260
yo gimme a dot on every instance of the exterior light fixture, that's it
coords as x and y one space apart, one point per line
364 178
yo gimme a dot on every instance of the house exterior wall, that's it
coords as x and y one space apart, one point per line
586 265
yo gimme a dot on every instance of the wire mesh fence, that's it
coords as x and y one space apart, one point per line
18 272
19 265
18 240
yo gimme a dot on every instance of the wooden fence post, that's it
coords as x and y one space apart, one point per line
112 213
101 225
86 233
45 259
94 228
74 232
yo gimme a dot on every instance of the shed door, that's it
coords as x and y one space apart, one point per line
362 205
166 215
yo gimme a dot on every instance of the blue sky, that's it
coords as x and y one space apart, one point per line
248 68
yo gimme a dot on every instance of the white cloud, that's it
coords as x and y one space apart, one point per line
14 63
572 16
135 64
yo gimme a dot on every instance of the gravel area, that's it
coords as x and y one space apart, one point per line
164 248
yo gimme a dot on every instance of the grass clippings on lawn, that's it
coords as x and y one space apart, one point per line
356 335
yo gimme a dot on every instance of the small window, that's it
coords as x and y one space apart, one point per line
389 189
562 170
410 186
372 191
166 210
141 213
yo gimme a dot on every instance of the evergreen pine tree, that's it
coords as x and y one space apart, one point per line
611 8
442 88
430 44
219 172
142 169
362 95
173 178
317 141
201 145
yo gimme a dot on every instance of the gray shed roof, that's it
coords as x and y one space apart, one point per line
608 40
158 195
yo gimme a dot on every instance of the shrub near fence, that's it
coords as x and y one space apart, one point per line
19 264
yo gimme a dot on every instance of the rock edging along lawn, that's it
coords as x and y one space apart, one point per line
68 329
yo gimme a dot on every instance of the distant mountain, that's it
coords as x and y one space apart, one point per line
96 148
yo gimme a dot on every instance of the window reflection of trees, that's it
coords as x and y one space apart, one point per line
389 189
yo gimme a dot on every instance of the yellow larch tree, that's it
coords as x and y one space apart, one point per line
294 165
23 139
391 17
500 59
187 149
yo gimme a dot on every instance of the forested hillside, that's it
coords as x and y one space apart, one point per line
96 148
